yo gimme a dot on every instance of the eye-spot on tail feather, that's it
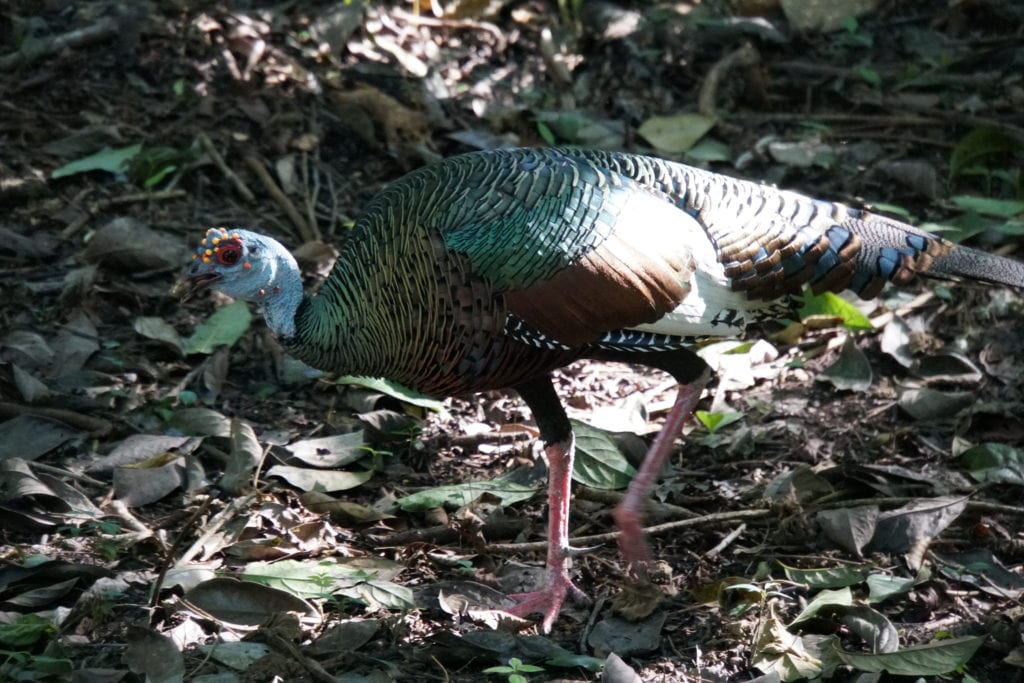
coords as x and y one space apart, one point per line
842 248
896 252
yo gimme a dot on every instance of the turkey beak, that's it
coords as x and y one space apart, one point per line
187 287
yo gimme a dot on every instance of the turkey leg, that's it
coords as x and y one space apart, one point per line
560 449
629 513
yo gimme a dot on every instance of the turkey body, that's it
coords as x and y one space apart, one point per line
491 269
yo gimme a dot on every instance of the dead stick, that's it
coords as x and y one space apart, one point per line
725 542
557 68
833 117
654 508
599 539
419 20
305 232
445 535
104 204
154 597
94 425
218 521
745 56
33 51
59 472
218 161
962 119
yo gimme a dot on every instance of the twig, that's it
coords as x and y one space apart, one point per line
94 425
975 80
960 118
33 51
880 120
305 232
218 161
725 542
288 647
259 466
556 67
122 511
929 117
444 535
59 472
654 508
102 205
853 134
598 539
978 505
218 521
746 56
154 596
502 43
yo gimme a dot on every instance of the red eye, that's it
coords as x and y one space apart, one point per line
229 254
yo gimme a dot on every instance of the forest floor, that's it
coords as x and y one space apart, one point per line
181 501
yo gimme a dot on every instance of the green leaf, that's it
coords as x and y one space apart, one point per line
309 479
1012 228
383 593
158 329
978 145
676 134
709 149
458 495
851 371
323 578
832 577
570 660
201 422
155 179
834 306
394 390
870 76
891 208
715 421
884 586
1004 208
25 630
599 462
934 659
107 159
223 328
995 463
826 598
545 133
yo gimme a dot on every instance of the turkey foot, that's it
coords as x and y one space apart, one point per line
650 581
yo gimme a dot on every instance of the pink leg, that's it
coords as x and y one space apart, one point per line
629 513
550 599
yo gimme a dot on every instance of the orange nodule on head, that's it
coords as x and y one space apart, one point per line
221 248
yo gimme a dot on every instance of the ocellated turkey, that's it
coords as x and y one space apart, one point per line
491 269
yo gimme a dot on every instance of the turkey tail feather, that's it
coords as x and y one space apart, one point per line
977 265
895 252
